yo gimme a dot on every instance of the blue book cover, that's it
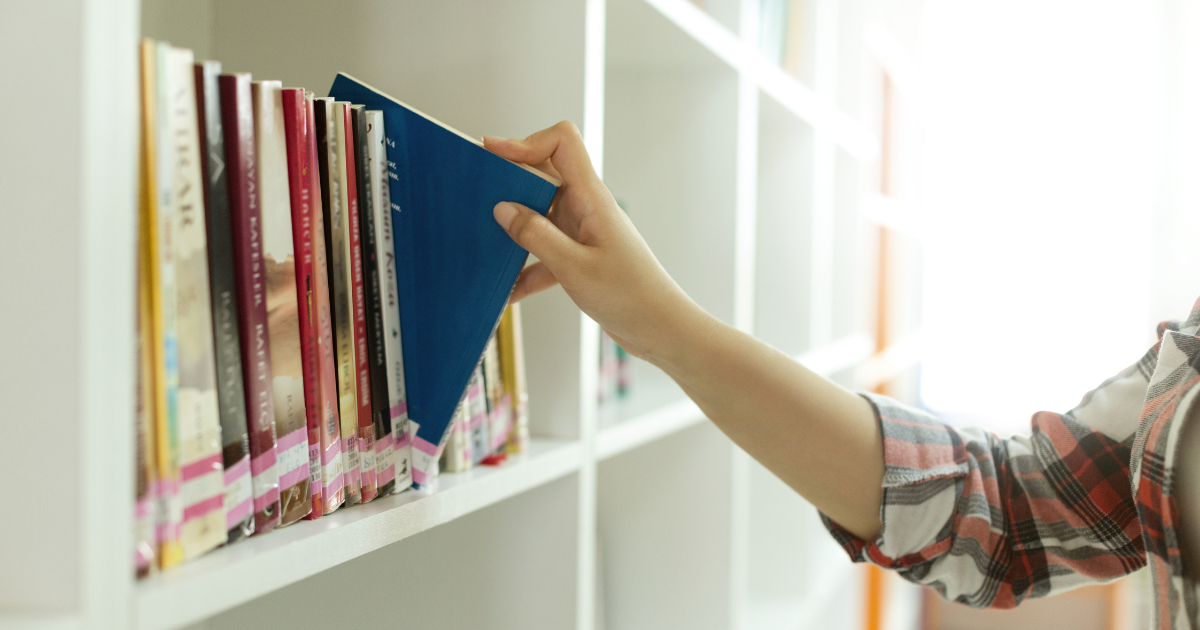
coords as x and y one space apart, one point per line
455 265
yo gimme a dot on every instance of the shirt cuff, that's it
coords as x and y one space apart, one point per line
925 461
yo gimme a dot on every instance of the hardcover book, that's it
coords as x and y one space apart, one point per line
231 400
498 408
159 219
348 173
393 345
237 114
283 320
456 455
333 492
376 357
455 265
477 412
202 478
337 246
512 369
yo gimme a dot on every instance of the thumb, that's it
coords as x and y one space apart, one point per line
536 234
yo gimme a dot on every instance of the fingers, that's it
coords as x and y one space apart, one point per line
533 279
536 234
561 145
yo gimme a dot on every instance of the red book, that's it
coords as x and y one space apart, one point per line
295 132
333 492
362 363
237 115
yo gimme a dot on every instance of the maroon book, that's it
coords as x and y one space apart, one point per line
237 114
362 363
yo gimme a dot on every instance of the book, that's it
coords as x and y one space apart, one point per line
295 126
337 246
510 340
145 465
283 320
456 456
231 400
237 115
385 474
393 344
158 215
477 413
455 265
202 477
347 170
498 407
333 492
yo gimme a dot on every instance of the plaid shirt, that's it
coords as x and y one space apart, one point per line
1088 497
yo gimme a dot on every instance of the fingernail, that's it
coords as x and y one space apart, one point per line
505 212
492 139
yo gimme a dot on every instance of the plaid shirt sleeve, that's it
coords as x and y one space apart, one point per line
987 521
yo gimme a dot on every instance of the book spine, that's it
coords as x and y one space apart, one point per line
385 472
295 127
401 459
477 427
337 239
332 484
498 413
145 538
362 370
512 366
202 479
231 400
238 118
456 456
279 271
169 504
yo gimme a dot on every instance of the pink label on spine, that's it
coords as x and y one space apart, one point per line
168 531
143 508
424 446
267 499
399 409
299 436
237 513
419 476
260 464
293 477
336 485
334 450
237 470
209 464
196 510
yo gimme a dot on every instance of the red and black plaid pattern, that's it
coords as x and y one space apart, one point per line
1085 498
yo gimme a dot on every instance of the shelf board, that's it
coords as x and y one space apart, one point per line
250 569
796 97
646 428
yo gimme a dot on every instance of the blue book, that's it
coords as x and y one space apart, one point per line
455 265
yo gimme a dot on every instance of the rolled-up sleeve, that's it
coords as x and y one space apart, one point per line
987 521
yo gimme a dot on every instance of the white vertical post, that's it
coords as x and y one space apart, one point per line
744 287
824 186
589 331
108 210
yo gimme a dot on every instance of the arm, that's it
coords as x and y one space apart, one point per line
819 438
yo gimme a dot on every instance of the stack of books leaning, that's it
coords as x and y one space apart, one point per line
271 378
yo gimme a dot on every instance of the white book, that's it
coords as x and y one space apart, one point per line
377 167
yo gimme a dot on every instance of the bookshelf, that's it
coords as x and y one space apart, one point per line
745 181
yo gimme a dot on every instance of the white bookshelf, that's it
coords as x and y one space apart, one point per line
744 180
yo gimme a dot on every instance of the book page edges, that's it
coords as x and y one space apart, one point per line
443 125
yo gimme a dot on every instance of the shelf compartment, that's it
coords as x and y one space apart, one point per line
250 569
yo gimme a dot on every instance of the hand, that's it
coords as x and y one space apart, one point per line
588 245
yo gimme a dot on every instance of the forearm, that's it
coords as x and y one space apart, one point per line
819 438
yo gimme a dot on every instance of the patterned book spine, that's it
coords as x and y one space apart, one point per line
385 472
169 502
295 128
337 240
201 467
362 372
499 415
279 263
477 426
401 456
231 400
333 492
145 540
238 117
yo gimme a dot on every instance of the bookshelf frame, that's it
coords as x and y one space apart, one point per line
67 562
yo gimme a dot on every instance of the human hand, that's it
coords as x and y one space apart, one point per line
588 245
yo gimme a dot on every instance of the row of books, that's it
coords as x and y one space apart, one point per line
272 383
